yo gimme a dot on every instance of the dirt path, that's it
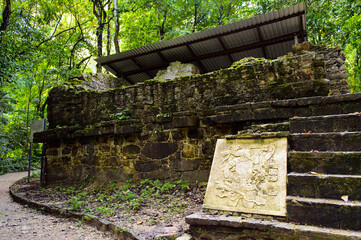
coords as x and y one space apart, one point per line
19 222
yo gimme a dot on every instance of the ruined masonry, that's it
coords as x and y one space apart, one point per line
168 130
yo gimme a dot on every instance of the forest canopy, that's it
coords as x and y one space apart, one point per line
43 43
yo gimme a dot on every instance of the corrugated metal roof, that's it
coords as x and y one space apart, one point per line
270 35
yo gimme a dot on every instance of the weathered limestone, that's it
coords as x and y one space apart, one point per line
176 70
215 227
249 175
169 129
323 185
250 80
97 82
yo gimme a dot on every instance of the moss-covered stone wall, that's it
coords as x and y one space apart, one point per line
169 129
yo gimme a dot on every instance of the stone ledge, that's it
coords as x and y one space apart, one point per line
102 128
203 224
305 101
328 186
259 135
330 213
325 162
101 224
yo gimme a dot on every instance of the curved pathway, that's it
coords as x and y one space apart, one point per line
18 222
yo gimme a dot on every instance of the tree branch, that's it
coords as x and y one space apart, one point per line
82 61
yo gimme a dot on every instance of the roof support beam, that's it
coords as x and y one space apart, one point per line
268 42
161 55
120 75
220 40
301 28
140 66
261 40
198 61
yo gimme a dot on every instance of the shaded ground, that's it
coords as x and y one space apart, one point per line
149 207
18 222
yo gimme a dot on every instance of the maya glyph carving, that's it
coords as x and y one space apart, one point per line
248 175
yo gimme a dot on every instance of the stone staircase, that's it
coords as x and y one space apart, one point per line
324 165
324 183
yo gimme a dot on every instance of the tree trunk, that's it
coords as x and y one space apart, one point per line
99 35
100 14
195 20
162 26
25 150
116 22
6 15
109 43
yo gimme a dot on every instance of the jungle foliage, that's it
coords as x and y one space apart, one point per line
43 43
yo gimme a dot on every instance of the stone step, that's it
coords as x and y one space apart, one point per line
284 109
268 127
206 226
324 212
325 162
333 141
324 186
328 123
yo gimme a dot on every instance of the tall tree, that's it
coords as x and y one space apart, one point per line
101 16
6 16
116 26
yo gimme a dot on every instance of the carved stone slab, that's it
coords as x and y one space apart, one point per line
249 175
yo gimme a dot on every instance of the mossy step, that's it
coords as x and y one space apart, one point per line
117 127
269 127
324 186
205 226
324 213
325 162
328 123
333 141
285 109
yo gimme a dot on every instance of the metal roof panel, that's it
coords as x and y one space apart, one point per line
271 33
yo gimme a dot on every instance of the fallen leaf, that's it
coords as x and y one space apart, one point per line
356 113
345 198
139 222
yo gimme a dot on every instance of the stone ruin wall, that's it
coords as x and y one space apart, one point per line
161 130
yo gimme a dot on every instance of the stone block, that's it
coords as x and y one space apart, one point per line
185 121
323 212
249 175
325 162
190 151
159 150
198 175
183 165
324 186
146 166
175 70
347 141
131 149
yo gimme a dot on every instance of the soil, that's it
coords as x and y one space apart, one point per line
150 208
19 222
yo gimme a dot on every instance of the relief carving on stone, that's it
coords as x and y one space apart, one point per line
249 175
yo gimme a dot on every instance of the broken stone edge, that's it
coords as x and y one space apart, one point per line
275 227
101 224
280 134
